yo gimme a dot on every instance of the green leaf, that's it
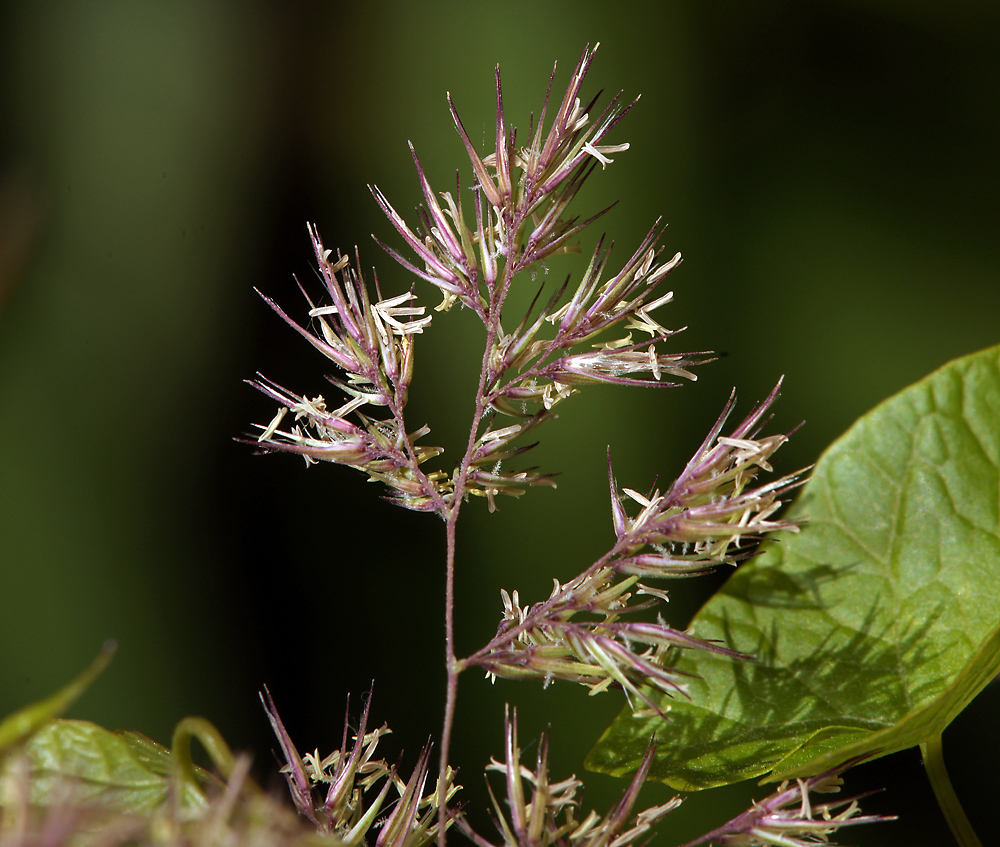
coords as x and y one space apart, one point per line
19 725
874 626
120 771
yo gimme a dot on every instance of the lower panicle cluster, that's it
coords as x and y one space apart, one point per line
543 813
705 519
350 795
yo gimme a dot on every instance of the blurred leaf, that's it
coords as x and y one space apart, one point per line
19 725
120 771
873 627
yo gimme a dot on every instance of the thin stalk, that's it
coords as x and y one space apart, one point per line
933 755
453 665
453 669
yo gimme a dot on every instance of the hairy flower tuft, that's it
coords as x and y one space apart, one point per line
473 252
789 818
336 793
712 513
372 344
542 813
560 638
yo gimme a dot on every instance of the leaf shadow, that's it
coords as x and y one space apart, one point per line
758 712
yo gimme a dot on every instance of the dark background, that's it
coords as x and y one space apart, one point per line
829 171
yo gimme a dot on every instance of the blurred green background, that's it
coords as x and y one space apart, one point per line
829 170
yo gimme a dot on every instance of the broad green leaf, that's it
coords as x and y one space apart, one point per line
19 725
121 771
874 626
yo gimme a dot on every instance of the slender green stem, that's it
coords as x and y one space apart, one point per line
213 742
933 754
24 722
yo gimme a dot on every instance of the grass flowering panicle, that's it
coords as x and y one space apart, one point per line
473 249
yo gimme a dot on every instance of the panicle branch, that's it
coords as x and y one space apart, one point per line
712 514
542 813
552 640
520 199
705 519
526 193
338 793
547 369
372 344
789 818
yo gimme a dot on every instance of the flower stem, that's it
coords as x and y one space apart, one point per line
453 669
933 755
